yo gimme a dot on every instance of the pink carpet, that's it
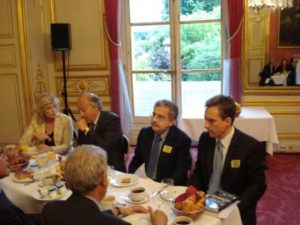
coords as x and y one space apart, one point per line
280 204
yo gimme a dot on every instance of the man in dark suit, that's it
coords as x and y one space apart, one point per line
85 174
243 158
101 128
9 213
173 159
265 76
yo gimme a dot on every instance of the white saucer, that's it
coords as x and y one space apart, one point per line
37 196
117 180
138 219
129 200
26 180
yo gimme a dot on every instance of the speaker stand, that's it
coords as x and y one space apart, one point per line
67 110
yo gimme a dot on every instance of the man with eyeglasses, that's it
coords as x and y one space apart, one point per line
163 147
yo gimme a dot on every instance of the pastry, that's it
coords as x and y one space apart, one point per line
23 174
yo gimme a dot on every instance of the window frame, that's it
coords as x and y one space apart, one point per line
175 70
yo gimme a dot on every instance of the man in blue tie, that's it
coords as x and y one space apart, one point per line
229 159
163 147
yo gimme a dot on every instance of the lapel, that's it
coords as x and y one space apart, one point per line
148 143
210 154
57 128
100 121
169 140
232 149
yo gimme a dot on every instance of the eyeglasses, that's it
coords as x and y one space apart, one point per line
158 116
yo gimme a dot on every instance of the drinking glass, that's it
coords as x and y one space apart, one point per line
110 177
168 183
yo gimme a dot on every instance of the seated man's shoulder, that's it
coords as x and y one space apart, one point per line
179 133
109 115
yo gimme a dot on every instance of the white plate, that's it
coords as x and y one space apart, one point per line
37 196
130 201
138 219
171 192
117 180
26 180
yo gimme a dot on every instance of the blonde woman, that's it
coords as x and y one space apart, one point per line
49 130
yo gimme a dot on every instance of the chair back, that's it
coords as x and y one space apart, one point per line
125 144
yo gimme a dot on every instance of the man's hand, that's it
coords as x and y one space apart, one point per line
126 211
158 217
82 124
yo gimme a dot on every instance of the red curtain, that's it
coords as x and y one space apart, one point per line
112 25
235 21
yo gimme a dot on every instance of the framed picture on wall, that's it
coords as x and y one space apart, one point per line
289 26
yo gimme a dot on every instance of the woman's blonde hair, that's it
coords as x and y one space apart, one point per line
45 99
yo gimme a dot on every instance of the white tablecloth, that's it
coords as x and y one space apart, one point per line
255 121
279 79
21 196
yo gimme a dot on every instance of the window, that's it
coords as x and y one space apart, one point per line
175 53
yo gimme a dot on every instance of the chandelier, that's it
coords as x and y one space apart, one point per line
257 6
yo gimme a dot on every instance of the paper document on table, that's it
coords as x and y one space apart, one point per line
141 172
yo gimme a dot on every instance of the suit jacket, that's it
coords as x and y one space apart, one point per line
63 133
107 135
243 171
267 72
174 164
77 210
10 214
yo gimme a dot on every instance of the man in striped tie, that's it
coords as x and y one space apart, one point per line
163 147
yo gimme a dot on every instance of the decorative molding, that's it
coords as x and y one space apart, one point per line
7 56
271 103
285 112
5 11
289 136
75 86
40 83
86 56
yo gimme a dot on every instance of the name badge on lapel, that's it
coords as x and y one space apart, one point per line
167 149
235 163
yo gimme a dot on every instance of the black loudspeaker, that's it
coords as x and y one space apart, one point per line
60 37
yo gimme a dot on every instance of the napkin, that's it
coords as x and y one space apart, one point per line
141 172
189 191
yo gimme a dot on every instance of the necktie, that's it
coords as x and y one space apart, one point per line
154 155
214 182
92 126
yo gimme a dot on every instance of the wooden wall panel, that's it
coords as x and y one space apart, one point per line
7 56
10 119
89 47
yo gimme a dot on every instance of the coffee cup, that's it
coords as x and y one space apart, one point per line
182 220
137 194
108 202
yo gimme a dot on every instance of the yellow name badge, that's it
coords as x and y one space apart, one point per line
235 163
167 149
